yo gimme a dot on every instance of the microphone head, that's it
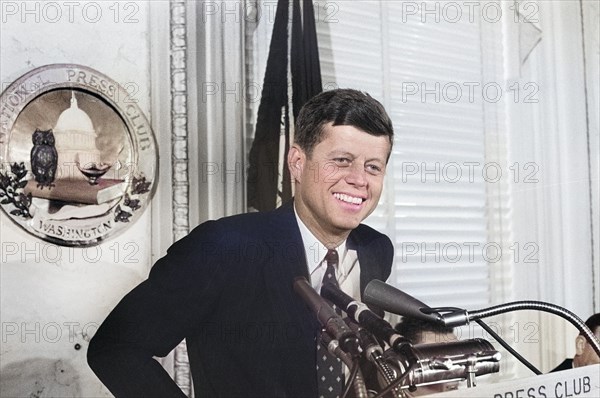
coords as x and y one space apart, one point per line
388 298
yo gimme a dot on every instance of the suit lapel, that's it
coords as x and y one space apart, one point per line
290 263
284 228
364 259
368 259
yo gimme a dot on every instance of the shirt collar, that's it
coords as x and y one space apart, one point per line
315 250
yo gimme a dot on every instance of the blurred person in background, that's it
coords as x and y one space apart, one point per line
584 353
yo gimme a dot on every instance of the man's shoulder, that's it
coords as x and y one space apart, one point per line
256 220
252 225
229 234
364 234
243 220
368 231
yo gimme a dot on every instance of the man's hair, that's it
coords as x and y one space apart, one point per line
415 329
342 107
593 322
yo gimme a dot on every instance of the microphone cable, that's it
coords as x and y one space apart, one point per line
508 348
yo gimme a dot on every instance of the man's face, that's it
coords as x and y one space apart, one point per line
585 354
339 185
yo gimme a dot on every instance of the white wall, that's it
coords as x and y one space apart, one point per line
53 298
591 35
553 212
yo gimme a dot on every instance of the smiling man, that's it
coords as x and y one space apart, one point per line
339 180
227 288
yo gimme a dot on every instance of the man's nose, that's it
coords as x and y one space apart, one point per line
357 175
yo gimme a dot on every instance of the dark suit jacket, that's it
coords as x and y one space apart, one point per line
564 365
227 289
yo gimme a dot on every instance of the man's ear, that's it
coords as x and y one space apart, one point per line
580 342
296 160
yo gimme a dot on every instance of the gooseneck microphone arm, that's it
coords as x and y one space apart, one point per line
452 316
462 317
394 300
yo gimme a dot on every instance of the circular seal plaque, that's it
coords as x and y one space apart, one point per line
77 155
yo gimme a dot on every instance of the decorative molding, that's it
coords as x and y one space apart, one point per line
179 122
179 157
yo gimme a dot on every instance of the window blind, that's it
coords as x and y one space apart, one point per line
434 204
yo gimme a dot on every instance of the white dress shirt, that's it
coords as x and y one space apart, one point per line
347 272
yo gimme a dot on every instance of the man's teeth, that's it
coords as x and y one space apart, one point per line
347 198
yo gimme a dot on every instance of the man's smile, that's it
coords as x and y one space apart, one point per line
348 198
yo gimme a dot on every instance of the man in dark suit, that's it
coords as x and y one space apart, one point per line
227 288
584 353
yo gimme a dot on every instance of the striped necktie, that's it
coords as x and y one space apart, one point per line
329 367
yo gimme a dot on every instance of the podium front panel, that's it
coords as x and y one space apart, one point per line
583 382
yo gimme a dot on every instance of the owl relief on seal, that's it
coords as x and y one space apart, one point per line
44 158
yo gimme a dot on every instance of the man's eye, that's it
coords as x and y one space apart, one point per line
342 161
373 169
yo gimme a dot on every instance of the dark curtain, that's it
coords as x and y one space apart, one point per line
273 111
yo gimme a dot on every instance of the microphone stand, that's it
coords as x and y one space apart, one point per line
373 352
356 378
456 317
395 383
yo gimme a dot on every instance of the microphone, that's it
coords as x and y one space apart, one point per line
442 362
329 320
359 312
390 299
